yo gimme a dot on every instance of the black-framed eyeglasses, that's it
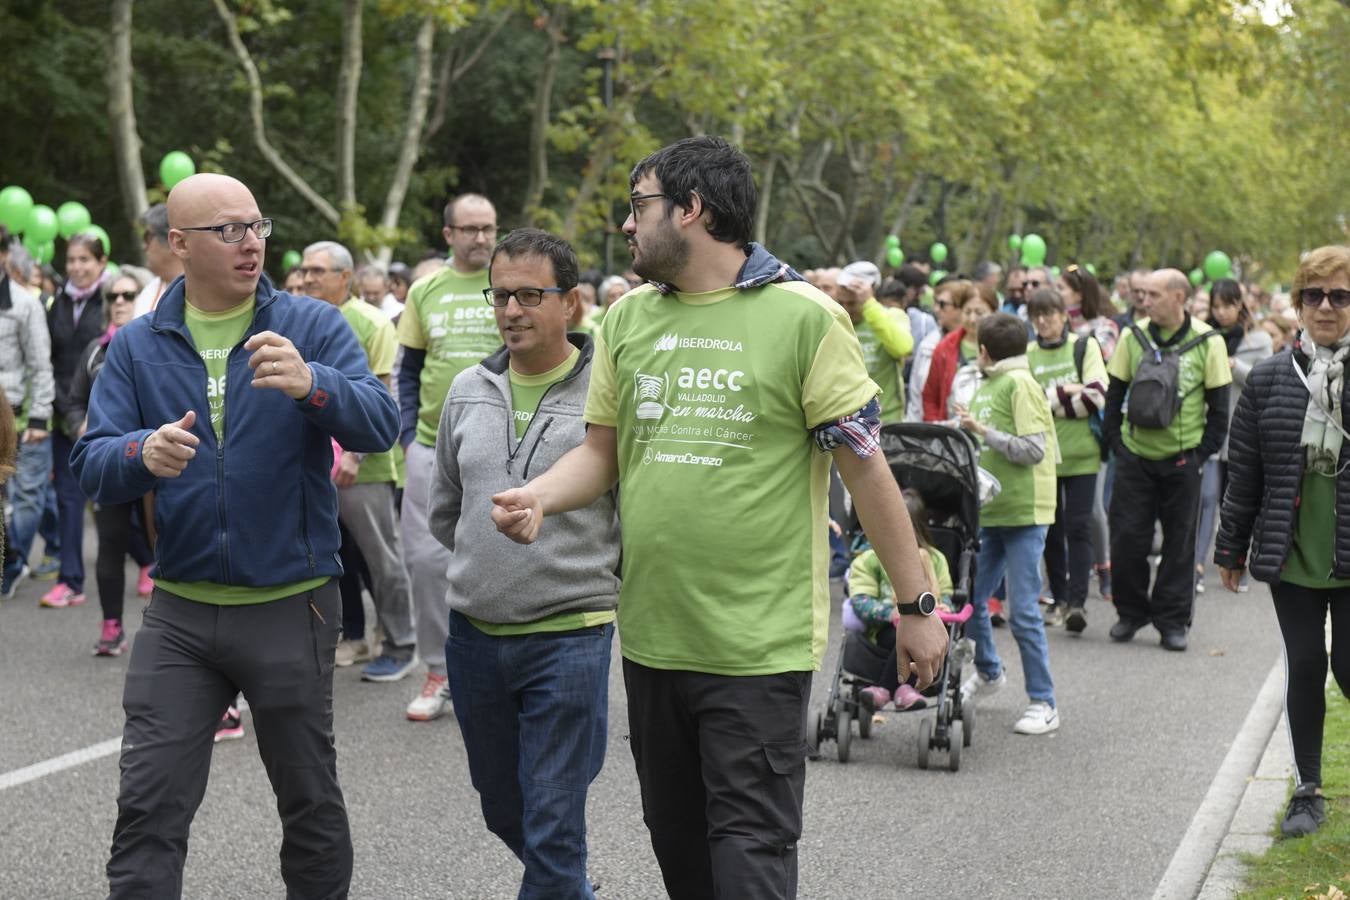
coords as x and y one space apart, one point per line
233 232
1031 283
128 296
476 231
499 297
1312 297
315 271
637 198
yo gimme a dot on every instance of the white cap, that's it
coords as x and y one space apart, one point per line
858 274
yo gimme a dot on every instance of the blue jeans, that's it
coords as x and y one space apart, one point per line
1017 551
70 502
534 713
49 528
27 492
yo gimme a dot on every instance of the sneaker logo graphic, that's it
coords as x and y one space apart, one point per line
666 342
650 393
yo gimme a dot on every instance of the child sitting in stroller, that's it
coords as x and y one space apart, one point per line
870 608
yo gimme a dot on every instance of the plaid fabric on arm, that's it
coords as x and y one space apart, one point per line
858 431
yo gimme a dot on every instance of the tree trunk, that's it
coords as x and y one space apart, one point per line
543 104
410 147
122 116
912 195
255 107
765 200
349 83
453 69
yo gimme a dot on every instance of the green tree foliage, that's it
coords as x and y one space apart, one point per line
1125 131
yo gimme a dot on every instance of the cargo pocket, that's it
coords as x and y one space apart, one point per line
784 786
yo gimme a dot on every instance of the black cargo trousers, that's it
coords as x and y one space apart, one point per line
188 661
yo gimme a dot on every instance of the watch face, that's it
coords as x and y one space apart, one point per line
927 603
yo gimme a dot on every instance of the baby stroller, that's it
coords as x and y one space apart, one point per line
940 463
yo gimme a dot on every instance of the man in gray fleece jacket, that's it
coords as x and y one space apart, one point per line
530 627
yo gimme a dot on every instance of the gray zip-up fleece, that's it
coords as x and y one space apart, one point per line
573 564
25 354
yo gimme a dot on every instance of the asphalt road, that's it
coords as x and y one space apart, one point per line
1095 810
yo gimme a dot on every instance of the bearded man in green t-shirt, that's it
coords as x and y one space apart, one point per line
720 393
445 328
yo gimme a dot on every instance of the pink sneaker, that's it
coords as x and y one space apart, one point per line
113 639
146 586
908 698
61 596
874 696
231 727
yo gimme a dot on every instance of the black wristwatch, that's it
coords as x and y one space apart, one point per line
924 605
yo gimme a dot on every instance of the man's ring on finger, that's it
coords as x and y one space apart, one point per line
275 366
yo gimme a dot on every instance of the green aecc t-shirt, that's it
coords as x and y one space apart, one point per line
446 316
1053 368
713 397
1312 555
375 333
528 390
1013 403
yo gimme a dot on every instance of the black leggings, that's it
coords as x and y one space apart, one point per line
1302 613
119 533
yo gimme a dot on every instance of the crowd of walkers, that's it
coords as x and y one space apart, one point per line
270 456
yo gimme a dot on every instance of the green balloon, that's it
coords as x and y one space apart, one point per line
98 232
1033 250
1217 265
895 257
174 167
15 206
936 276
113 268
72 217
1197 276
1014 242
938 252
290 259
1054 270
892 240
42 225
1092 270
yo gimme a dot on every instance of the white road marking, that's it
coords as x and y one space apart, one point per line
59 763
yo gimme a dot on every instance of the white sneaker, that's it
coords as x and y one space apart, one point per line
1040 718
433 702
976 685
352 652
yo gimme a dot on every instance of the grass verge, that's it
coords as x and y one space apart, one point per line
1316 867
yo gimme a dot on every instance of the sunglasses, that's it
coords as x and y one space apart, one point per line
128 296
1313 297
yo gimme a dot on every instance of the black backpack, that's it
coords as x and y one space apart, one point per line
1154 396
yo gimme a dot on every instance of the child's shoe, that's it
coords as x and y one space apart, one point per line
145 586
231 726
1104 581
907 698
996 612
874 697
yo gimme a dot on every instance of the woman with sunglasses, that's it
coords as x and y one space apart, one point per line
74 318
117 524
1247 346
1288 456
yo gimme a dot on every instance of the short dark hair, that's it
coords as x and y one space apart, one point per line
1044 300
155 222
892 289
911 276
1229 292
720 175
1095 303
1003 335
533 242
454 202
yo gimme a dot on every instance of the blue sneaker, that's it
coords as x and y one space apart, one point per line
11 585
388 668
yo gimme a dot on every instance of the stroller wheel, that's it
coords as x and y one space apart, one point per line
925 741
819 734
968 721
955 743
845 733
864 722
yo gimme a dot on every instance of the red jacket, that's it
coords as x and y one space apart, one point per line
941 373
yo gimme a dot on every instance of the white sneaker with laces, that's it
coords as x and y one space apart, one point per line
976 685
434 700
1040 718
